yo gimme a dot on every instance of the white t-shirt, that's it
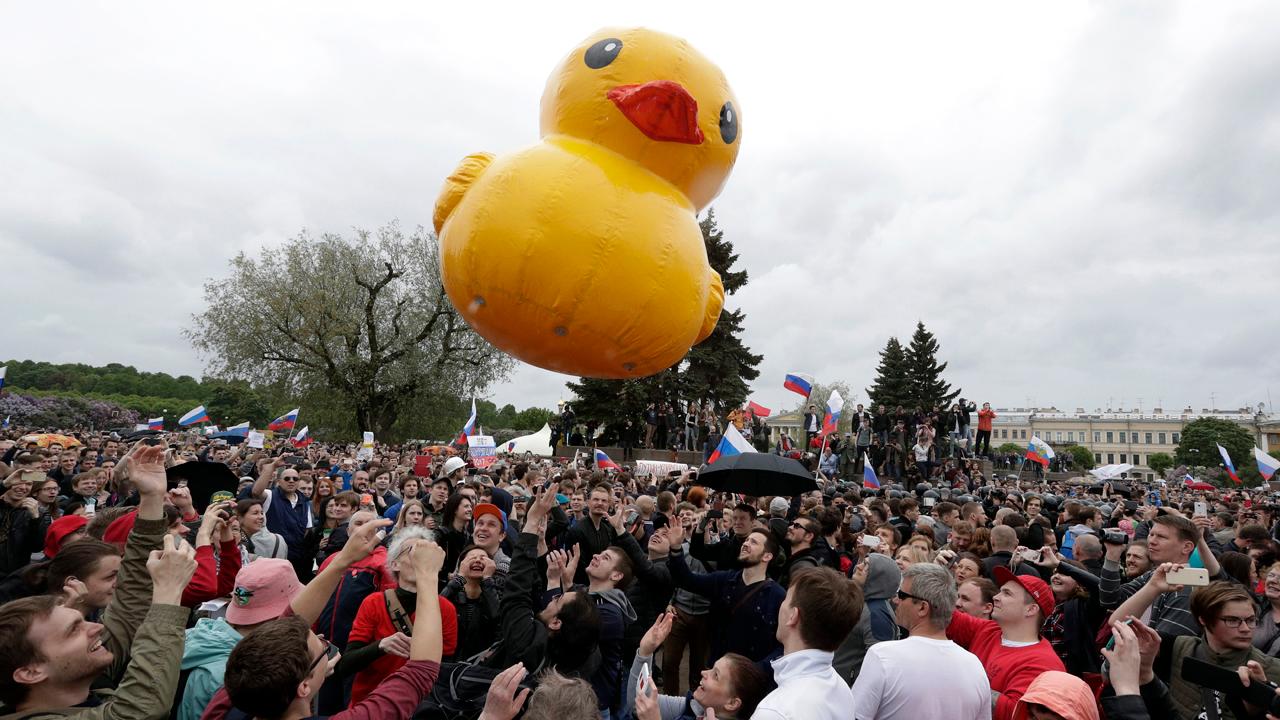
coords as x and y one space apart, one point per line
920 678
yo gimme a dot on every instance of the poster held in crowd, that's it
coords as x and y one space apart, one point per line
482 449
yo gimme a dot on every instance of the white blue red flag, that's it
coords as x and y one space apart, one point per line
197 415
302 439
731 444
242 429
835 404
1231 469
1038 451
799 383
155 423
2 372
869 479
284 422
603 462
1267 465
469 427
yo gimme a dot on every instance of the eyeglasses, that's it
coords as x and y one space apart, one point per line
1234 622
801 526
329 651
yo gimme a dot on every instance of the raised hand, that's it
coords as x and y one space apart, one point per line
571 564
506 697
657 633
362 542
1124 660
171 569
146 471
428 558
675 537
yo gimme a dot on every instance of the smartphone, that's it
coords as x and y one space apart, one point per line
1029 555
1111 641
871 541
642 683
1194 577
1202 509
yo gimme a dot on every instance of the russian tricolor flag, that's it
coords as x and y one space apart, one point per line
242 429
1038 451
869 479
197 415
835 404
302 439
799 383
284 422
731 444
1231 469
603 462
1267 465
155 423
471 425
3 370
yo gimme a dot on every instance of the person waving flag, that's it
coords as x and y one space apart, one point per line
1267 465
603 462
302 439
469 427
835 404
732 443
1231 469
1038 451
869 479
197 415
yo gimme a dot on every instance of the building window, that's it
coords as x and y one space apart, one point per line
1137 459
1097 437
1133 438
1148 438
1111 459
1004 434
1122 458
1023 435
1110 436
1059 436
1097 458
1160 437
1177 438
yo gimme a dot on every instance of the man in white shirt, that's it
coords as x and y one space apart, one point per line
820 609
925 675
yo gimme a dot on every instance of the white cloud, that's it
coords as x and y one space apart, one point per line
1077 198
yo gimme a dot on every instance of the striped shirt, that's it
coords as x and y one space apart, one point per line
1171 611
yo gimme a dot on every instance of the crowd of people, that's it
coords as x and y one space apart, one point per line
334 582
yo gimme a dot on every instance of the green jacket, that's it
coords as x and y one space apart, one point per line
145 640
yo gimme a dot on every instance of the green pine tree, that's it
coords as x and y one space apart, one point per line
717 369
928 389
892 386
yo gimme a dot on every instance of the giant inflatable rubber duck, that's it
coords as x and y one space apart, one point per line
582 254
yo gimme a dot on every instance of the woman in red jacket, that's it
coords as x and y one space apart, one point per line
379 641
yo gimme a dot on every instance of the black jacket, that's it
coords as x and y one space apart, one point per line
20 536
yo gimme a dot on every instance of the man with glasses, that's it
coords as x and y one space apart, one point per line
1009 645
288 511
800 536
888 687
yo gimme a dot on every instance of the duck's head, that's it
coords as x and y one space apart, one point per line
652 98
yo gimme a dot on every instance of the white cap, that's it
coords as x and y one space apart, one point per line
453 465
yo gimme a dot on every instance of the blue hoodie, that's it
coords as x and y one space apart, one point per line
208 646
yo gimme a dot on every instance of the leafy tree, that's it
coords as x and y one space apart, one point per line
231 403
717 369
360 326
1081 457
925 373
1160 463
1016 449
1199 446
892 386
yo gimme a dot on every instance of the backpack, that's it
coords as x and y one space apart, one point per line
461 690
339 611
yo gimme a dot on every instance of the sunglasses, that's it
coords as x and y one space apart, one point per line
908 596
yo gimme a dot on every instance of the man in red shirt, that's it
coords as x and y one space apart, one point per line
1009 644
983 444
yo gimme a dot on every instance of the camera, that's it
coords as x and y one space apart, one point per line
1115 537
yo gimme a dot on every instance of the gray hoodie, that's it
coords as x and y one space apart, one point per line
877 623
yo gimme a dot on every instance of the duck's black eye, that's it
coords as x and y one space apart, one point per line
602 53
728 123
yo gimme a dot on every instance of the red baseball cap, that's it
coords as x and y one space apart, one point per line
1038 589
61 529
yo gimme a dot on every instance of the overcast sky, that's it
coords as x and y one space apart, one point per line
1079 199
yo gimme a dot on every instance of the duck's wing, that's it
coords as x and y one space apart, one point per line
715 303
457 184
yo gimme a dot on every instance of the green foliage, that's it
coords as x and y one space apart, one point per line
717 369
359 328
1199 447
1081 457
928 389
112 380
1016 449
892 386
1160 463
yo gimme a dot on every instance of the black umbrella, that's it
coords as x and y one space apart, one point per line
134 435
757 474
232 438
203 480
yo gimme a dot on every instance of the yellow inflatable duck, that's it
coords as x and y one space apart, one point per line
582 254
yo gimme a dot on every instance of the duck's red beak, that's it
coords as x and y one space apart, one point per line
663 110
